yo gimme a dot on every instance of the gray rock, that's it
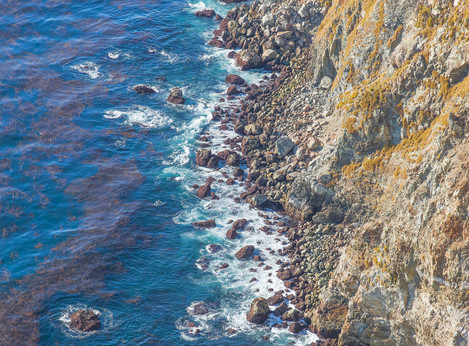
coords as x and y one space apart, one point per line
283 146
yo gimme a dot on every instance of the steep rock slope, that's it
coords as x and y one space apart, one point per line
397 167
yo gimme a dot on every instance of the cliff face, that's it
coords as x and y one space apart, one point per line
397 167
375 99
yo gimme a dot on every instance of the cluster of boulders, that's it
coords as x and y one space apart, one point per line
267 34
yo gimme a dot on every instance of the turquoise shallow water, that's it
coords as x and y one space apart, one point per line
95 199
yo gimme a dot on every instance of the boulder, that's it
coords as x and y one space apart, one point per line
176 96
239 224
283 146
85 321
207 13
231 234
143 89
280 309
234 79
269 54
202 157
295 327
204 191
284 274
259 311
292 315
214 248
276 299
247 59
245 252
204 224
232 90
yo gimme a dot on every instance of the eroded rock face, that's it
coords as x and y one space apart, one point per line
259 311
85 321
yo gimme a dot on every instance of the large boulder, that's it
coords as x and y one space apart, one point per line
202 157
176 96
269 54
85 321
245 252
234 79
247 59
283 146
259 311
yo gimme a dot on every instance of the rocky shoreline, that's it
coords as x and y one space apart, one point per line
327 141
265 187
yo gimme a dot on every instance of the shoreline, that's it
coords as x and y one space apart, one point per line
242 116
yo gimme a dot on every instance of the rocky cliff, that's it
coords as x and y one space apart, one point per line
363 138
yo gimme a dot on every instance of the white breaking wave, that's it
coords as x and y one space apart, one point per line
89 68
140 115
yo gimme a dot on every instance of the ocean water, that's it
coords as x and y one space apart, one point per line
96 203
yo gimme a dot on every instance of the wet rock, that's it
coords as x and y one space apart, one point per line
143 89
283 146
214 248
280 309
204 191
259 311
234 79
239 224
176 96
232 90
292 315
230 181
232 234
284 274
245 252
276 299
295 327
85 321
202 263
204 224
200 309
224 266
208 13
203 157
239 172
231 331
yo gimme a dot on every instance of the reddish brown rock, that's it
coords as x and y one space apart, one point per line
143 89
259 311
295 327
232 90
234 79
203 157
207 13
204 191
239 224
85 321
231 234
204 224
245 252
276 299
284 274
176 96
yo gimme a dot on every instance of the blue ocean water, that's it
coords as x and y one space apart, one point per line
96 203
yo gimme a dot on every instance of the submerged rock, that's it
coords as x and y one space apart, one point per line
204 224
259 311
85 321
